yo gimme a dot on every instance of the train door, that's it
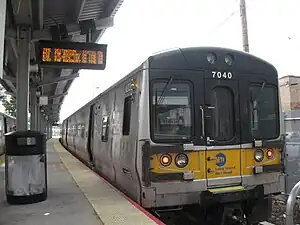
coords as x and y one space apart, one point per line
5 125
66 131
90 141
221 113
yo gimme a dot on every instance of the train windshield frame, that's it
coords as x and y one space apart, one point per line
264 111
172 110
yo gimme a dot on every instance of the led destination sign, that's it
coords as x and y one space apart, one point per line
70 55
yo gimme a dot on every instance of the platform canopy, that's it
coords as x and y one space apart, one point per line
63 20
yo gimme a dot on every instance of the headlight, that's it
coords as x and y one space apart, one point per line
165 160
228 59
259 155
211 58
181 160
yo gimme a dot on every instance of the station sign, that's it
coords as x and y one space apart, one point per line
72 55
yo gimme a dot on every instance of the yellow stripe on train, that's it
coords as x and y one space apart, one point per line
216 163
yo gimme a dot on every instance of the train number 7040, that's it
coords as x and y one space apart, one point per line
219 75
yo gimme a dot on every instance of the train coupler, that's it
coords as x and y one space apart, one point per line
233 215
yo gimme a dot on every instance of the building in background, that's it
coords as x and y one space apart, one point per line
290 93
290 100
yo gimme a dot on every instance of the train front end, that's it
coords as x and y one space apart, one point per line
210 131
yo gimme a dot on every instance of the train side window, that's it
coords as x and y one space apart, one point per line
127 115
104 130
78 129
82 131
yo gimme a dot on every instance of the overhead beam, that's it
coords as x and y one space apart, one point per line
37 8
9 78
99 24
52 114
57 96
32 68
59 79
72 29
77 13
7 84
111 7
51 117
2 31
41 14
54 105
14 46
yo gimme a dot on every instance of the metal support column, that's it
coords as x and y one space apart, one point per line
2 34
23 78
50 130
47 130
42 123
38 119
33 109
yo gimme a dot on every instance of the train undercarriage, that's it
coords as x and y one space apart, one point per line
247 211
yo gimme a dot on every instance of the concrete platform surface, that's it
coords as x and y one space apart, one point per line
112 206
66 204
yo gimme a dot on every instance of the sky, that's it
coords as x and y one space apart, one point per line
144 27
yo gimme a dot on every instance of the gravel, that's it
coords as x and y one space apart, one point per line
278 211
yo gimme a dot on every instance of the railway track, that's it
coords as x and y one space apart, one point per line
187 217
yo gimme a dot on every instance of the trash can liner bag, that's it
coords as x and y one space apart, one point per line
27 175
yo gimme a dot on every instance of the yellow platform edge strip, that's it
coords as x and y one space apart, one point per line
2 159
91 185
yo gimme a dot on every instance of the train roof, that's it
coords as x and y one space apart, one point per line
190 59
108 89
195 58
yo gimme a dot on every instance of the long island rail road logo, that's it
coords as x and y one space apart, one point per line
221 159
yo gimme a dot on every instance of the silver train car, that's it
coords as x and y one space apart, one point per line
190 127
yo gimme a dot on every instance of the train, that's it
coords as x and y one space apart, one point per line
197 127
7 124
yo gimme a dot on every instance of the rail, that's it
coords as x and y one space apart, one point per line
291 203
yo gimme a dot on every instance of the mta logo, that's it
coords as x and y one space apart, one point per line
221 159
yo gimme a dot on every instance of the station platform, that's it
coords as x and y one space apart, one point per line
76 196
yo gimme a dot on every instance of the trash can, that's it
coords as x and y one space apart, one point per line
25 167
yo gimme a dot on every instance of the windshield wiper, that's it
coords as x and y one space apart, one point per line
258 94
254 101
161 97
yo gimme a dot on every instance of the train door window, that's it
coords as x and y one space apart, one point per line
5 125
104 130
264 111
1 128
127 115
82 130
78 128
220 115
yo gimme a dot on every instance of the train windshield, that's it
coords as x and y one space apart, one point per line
171 110
264 111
